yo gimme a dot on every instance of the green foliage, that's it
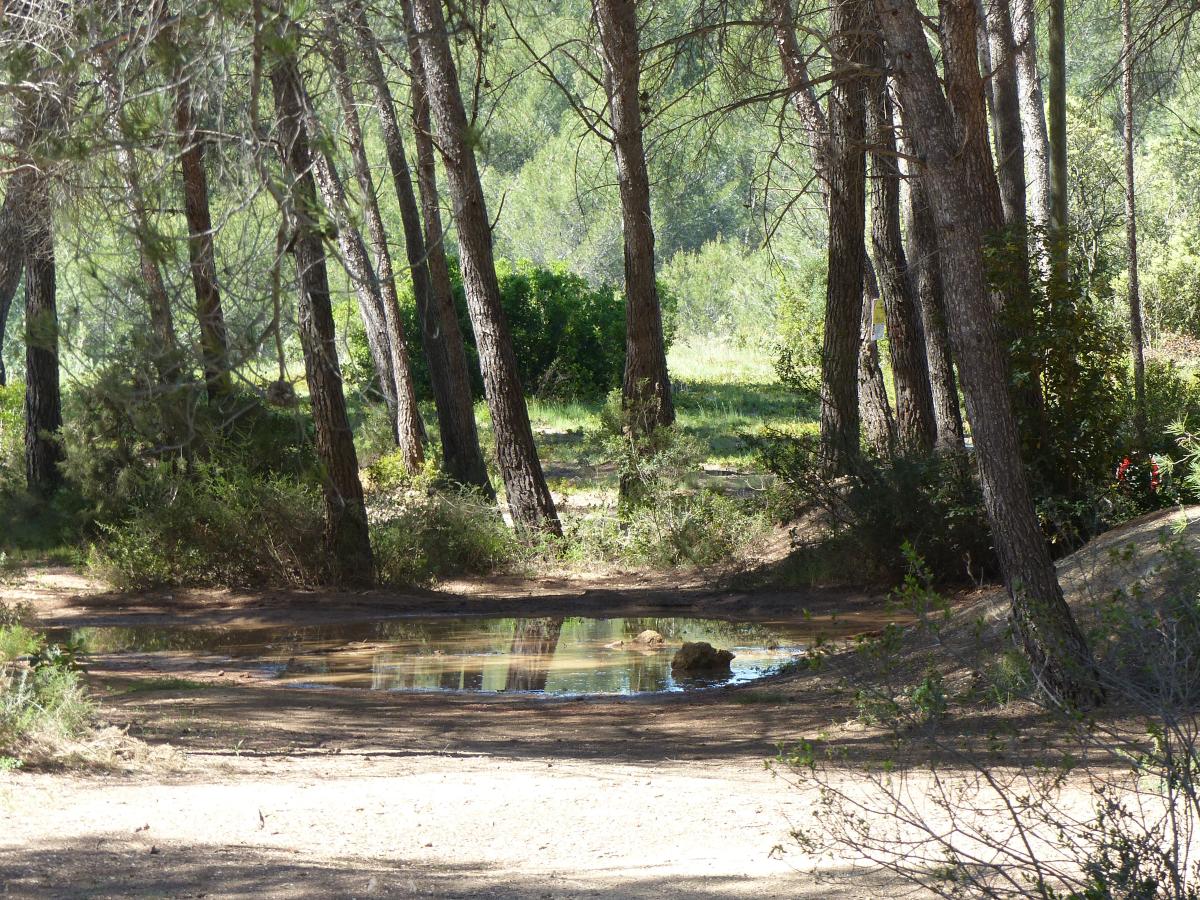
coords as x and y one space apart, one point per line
41 704
569 336
12 438
17 640
213 524
934 504
801 327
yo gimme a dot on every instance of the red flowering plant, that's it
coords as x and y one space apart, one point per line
1144 480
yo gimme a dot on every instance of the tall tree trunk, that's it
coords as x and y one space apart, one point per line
646 389
925 268
1006 111
346 516
847 223
43 399
1131 232
1057 134
878 426
916 428
959 25
529 498
449 375
12 254
1033 111
1057 649
214 341
409 427
149 241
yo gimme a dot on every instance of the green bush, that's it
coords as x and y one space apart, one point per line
12 438
933 504
214 524
569 336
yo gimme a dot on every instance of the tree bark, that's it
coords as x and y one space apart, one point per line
1033 112
410 430
441 337
346 531
879 428
915 424
925 268
1057 131
1006 112
214 341
847 222
12 255
529 498
1057 649
43 398
1131 230
646 388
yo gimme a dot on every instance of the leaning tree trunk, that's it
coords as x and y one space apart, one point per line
346 530
409 427
847 222
1131 233
529 498
12 255
214 341
915 424
1033 111
1056 647
1006 109
646 389
441 338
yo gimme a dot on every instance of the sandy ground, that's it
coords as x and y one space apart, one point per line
276 792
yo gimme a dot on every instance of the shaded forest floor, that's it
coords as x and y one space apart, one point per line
267 791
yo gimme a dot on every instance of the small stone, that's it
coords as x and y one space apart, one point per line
649 638
701 658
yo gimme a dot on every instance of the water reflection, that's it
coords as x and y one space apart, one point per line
562 656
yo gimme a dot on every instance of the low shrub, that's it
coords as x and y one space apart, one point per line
214 524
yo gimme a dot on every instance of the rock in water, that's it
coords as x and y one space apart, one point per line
701 657
649 638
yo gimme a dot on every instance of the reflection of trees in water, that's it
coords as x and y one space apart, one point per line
533 645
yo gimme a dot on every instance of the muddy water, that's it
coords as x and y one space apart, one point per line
552 656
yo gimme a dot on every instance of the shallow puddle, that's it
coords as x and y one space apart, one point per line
553 656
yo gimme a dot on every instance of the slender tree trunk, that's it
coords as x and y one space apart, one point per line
847 223
43 399
346 516
1033 111
449 375
879 428
12 254
927 278
646 390
1056 647
214 342
1010 143
1131 232
409 427
1057 134
149 241
916 428
529 498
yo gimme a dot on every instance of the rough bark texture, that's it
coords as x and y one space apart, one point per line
12 256
1033 111
346 515
925 270
915 426
646 387
441 338
1057 649
214 342
847 222
43 399
1131 231
1057 132
1006 114
410 430
878 426
528 497
959 25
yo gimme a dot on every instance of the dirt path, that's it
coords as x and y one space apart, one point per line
325 793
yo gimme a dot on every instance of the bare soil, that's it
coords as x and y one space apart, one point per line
277 792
